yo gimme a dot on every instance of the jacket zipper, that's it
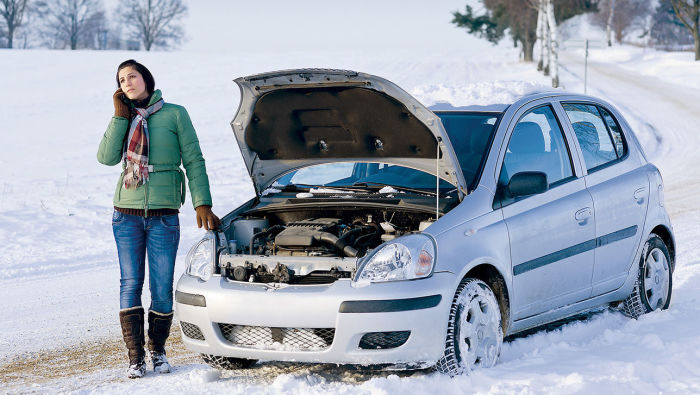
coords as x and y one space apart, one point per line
146 203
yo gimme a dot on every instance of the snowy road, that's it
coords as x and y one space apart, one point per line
59 282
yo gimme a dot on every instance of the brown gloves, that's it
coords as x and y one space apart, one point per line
206 216
120 108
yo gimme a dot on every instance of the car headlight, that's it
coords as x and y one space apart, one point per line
200 258
405 258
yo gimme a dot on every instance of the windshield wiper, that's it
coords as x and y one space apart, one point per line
309 187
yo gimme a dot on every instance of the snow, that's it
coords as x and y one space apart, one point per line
477 94
673 67
59 276
388 189
270 191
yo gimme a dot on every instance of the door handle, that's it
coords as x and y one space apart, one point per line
639 194
583 214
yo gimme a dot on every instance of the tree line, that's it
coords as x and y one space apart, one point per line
668 24
85 24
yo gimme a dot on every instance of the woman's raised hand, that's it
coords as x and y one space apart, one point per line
120 108
207 218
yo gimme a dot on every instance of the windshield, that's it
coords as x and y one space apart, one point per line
471 134
362 174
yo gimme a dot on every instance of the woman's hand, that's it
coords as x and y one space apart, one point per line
120 108
206 217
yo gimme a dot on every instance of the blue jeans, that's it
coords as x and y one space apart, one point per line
159 236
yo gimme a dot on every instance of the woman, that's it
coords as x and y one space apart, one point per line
150 138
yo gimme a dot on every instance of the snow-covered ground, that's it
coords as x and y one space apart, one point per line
59 275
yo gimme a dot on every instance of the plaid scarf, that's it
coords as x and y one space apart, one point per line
136 147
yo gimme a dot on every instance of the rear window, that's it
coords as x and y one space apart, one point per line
471 135
614 129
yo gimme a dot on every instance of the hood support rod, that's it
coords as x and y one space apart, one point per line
437 180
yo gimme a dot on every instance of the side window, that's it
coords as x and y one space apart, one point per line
537 144
592 134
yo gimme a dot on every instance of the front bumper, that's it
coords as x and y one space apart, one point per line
419 306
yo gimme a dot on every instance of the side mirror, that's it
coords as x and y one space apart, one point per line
527 183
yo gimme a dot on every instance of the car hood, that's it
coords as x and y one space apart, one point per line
295 118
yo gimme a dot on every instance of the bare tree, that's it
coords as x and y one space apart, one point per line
30 34
688 11
667 31
13 13
548 38
553 42
541 31
620 16
156 22
608 25
73 23
517 17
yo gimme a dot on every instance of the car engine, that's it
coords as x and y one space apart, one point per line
310 250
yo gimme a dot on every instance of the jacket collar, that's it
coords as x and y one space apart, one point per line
157 95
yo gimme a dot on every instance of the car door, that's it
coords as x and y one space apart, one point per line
551 233
620 191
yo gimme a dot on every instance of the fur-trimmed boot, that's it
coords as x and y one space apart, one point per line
158 331
132 330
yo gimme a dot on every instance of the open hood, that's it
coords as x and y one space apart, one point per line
295 118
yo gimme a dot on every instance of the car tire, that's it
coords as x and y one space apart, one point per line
227 363
474 332
652 289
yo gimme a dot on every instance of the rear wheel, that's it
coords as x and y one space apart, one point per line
228 363
474 333
652 291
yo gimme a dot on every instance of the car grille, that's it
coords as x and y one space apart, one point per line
383 340
268 338
191 330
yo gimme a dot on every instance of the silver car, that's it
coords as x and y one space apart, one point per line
384 232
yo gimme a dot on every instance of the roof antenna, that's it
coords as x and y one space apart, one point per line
437 180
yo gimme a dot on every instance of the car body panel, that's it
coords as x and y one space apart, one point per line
318 307
546 240
620 193
264 172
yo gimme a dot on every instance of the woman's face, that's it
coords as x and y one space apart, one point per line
132 83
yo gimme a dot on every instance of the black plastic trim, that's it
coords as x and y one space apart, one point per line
575 250
190 299
390 305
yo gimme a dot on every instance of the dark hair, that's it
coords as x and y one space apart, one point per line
147 76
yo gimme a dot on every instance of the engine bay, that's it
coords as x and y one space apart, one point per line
310 246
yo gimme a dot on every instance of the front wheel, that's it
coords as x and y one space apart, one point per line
474 333
652 291
227 363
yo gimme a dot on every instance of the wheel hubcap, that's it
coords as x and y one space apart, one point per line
657 276
479 333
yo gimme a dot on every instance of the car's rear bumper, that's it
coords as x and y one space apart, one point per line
419 306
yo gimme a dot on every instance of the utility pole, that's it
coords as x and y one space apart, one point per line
585 71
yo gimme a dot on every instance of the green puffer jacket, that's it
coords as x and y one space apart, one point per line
172 140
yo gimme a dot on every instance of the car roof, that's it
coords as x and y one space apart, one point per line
502 107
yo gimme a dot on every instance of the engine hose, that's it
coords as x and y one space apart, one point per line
268 230
353 232
332 239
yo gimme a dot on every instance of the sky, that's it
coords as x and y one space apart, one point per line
307 25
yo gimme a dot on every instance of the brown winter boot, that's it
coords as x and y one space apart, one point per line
132 330
158 331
